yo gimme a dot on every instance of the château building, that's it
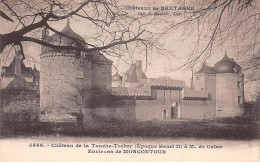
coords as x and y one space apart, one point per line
74 82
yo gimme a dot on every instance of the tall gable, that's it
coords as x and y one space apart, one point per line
132 74
10 70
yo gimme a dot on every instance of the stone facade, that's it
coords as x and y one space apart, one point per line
69 79
161 106
73 82
216 92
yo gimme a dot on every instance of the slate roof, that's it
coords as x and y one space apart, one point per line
132 74
72 39
124 91
164 83
145 91
10 70
19 83
192 94
226 65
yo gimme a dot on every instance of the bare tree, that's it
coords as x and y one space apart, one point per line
218 23
114 27
215 23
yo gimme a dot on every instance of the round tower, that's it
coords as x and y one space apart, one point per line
61 76
229 88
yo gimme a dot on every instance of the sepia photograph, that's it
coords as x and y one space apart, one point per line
129 80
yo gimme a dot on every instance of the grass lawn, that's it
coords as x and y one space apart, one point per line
230 128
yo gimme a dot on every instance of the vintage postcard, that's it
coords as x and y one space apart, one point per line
129 80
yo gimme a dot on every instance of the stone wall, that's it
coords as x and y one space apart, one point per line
130 84
102 75
201 109
153 109
199 81
193 109
111 109
197 109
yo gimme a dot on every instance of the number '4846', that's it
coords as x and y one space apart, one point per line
36 145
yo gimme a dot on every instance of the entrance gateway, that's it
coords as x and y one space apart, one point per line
172 112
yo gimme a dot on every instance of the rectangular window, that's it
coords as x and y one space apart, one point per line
239 84
81 73
163 95
43 112
79 98
239 100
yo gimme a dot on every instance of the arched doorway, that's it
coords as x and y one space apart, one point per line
164 113
174 110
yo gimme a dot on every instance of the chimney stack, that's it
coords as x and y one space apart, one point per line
18 60
139 70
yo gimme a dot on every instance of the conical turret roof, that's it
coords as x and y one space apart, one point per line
71 38
226 65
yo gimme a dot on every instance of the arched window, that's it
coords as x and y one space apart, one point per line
238 84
